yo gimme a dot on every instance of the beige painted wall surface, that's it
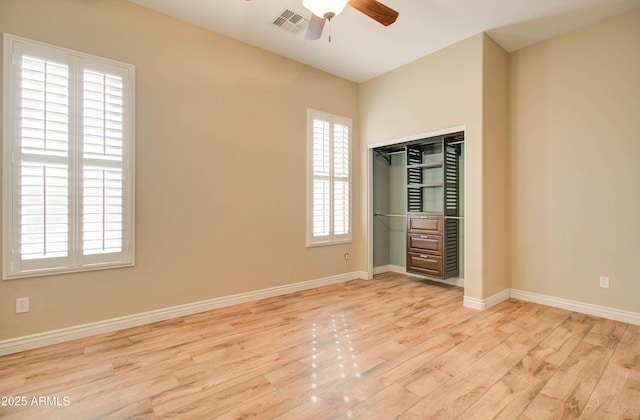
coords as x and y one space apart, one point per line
220 166
495 94
574 165
436 92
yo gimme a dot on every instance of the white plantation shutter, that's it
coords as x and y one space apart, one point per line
321 180
43 176
329 216
102 159
67 160
341 178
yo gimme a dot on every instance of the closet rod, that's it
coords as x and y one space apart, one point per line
404 215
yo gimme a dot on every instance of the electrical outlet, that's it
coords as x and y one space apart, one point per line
22 305
346 256
604 282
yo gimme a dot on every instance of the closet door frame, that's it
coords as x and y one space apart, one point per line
369 180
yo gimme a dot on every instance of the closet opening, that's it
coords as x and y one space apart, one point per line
417 203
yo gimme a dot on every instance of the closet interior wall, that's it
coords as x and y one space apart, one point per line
389 198
381 228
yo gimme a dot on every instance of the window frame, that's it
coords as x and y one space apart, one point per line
76 260
332 238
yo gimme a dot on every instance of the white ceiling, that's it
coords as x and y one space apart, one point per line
362 49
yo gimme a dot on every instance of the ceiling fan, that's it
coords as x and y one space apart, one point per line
325 10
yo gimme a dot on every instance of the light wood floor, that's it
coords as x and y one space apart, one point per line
378 349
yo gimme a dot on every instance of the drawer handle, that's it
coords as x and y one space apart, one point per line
424 237
424 256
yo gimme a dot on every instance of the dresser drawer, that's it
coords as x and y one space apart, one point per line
424 264
420 223
431 244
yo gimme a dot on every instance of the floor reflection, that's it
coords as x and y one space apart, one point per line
332 346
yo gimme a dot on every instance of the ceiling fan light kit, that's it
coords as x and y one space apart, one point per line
325 9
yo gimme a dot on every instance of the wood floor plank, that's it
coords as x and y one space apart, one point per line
563 340
300 389
617 393
213 404
395 346
386 404
441 369
10 382
457 394
568 390
515 391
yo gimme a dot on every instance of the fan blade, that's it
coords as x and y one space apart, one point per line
375 10
314 31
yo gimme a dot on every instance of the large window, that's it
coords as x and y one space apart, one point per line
329 179
68 146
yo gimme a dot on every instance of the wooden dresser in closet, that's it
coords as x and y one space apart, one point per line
424 244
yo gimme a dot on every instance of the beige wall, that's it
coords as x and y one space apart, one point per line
574 165
436 92
220 165
495 94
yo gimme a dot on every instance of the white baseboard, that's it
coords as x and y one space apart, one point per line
473 303
389 268
18 344
362 275
482 304
571 305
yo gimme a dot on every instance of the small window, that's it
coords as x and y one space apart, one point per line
68 146
329 179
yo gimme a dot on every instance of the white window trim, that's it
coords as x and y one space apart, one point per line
75 262
332 238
